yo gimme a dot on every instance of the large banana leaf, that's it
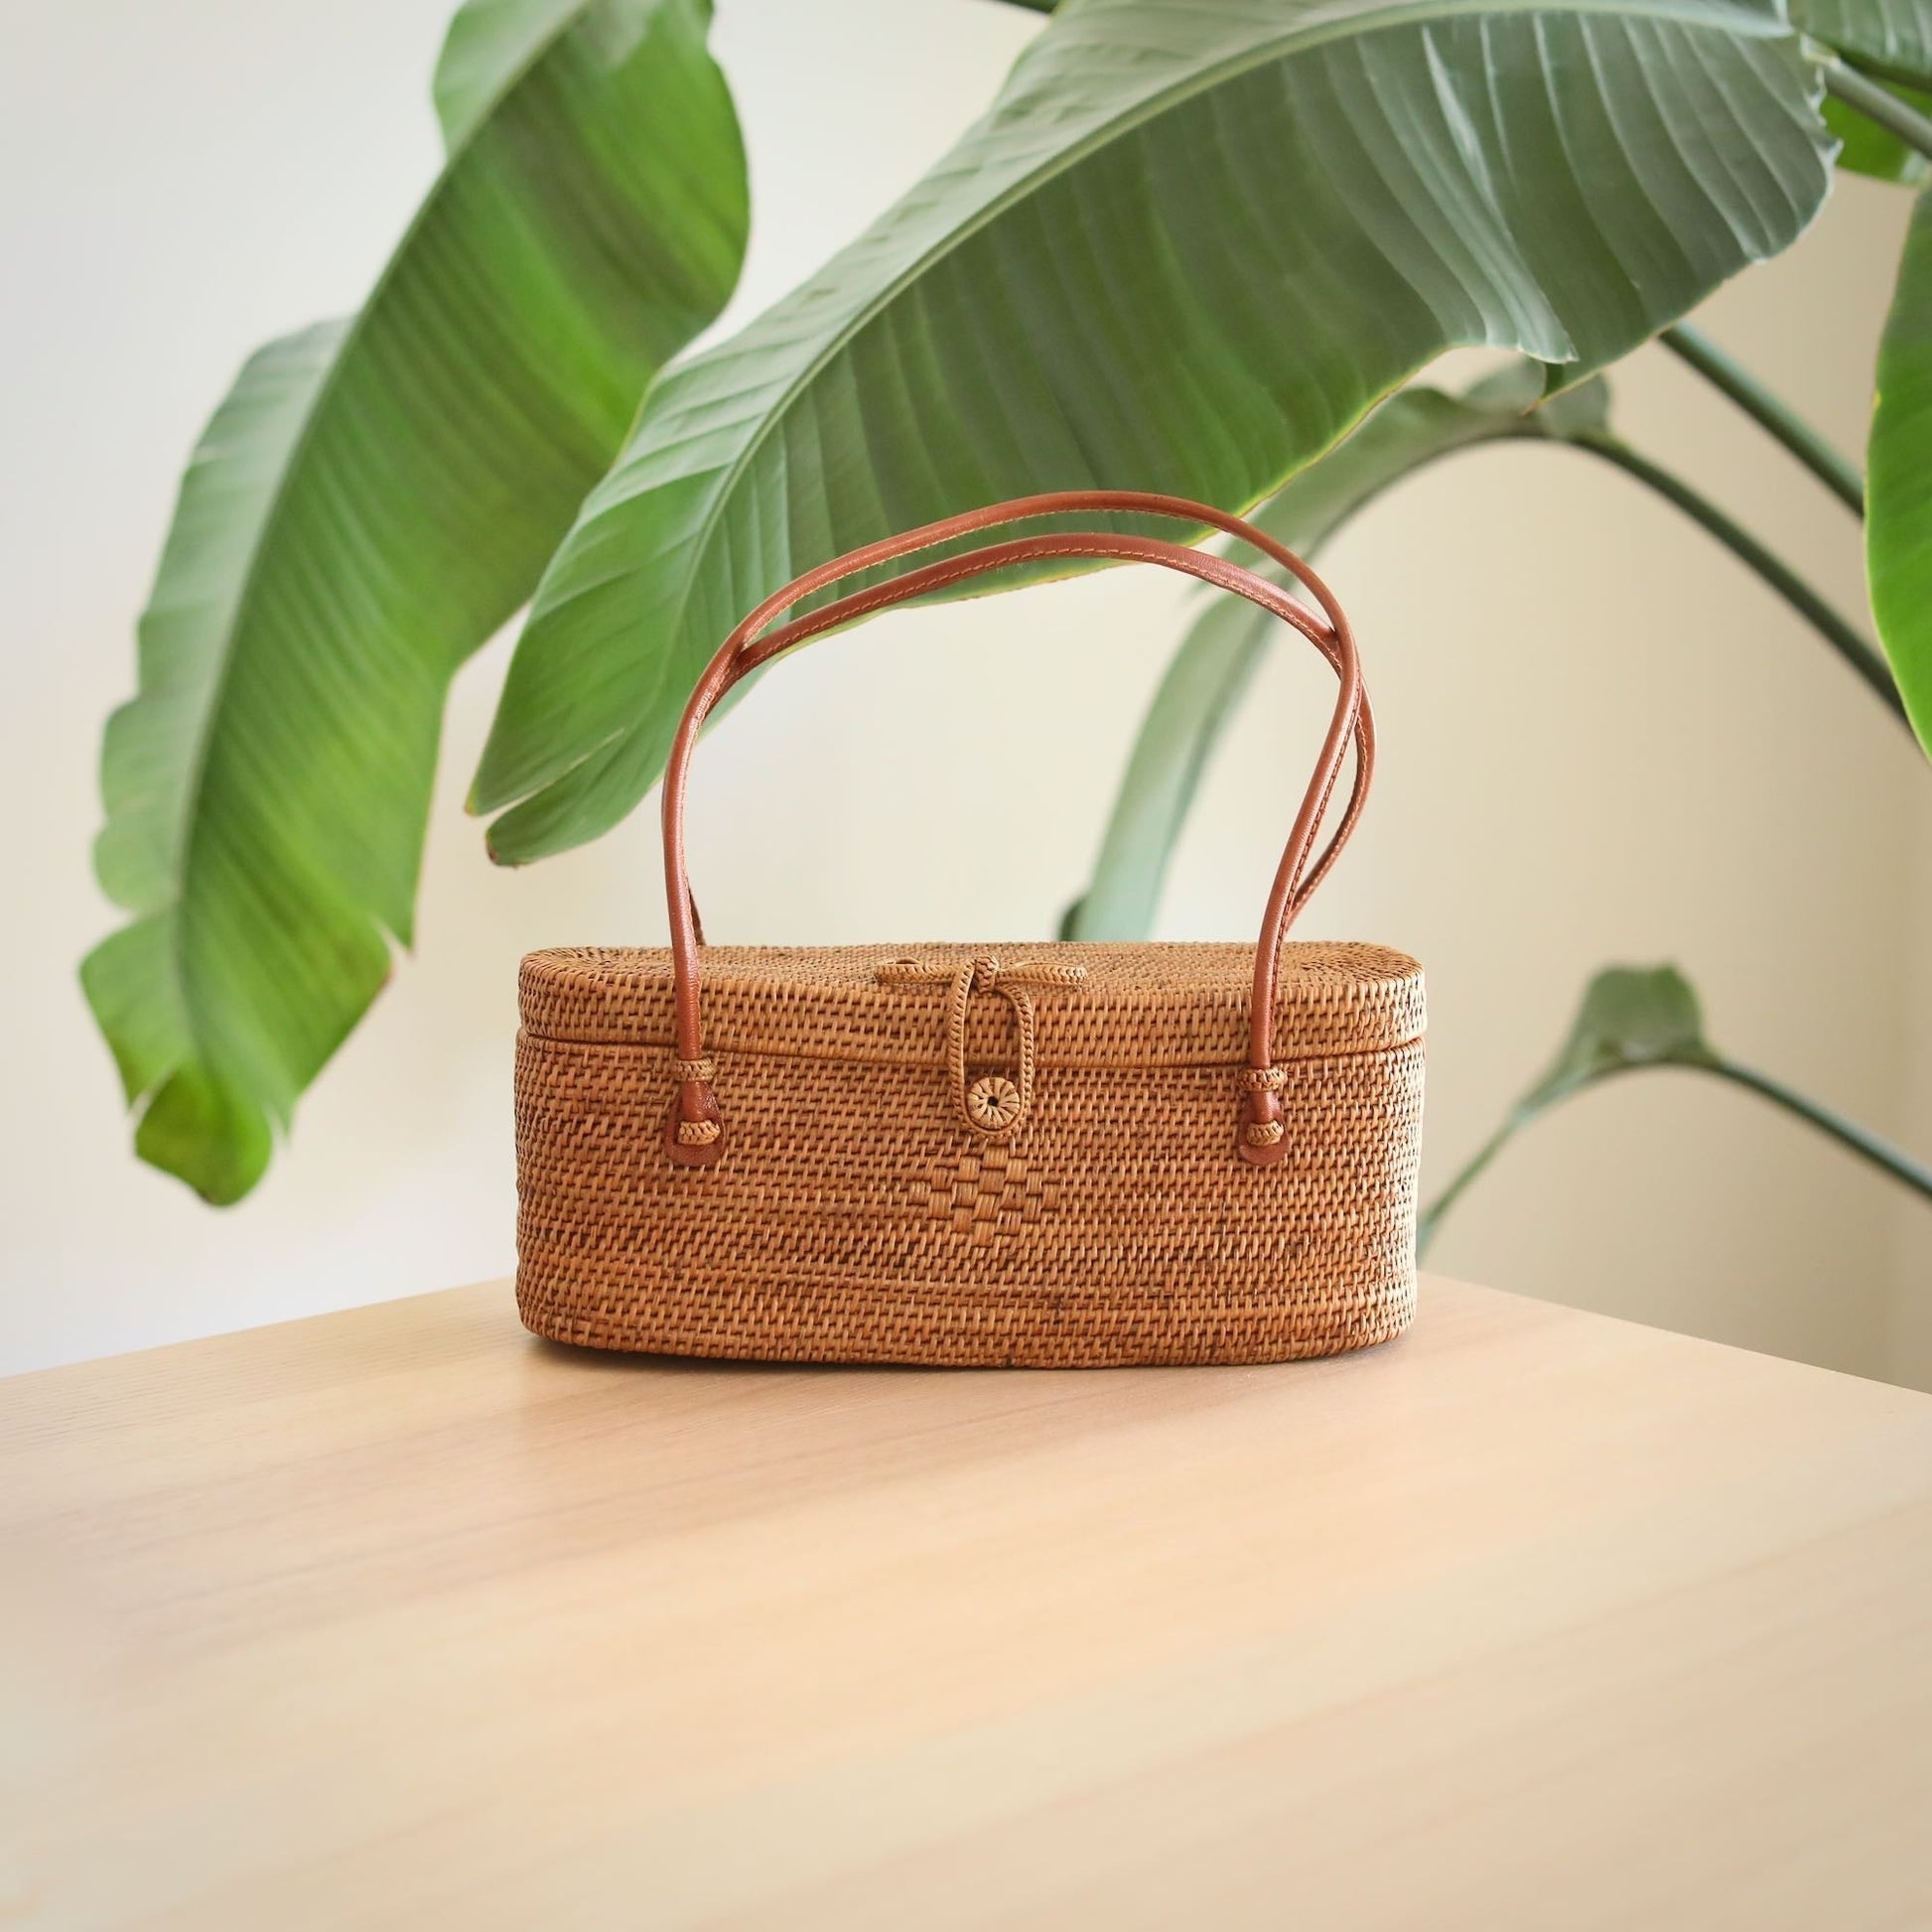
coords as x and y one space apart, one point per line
1220 656
488 47
1893 36
1186 249
1898 479
369 503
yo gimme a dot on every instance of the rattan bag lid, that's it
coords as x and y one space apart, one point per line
1148 1004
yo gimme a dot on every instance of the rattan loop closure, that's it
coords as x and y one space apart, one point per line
993 1106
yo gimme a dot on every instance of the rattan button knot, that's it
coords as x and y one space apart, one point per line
994 1103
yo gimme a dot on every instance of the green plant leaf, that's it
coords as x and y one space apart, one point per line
1898 479
1891 36
1637 1016
1220 654
1632 1017
1414 428
1203 685
371 501
489 44
1187 248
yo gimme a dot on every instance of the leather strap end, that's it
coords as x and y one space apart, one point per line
694 1128
1262 1136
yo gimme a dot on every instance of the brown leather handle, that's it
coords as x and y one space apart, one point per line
694 1129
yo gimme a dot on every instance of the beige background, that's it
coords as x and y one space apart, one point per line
1603 741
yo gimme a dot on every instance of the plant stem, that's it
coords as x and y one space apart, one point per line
1868 1146
1840 635
1878 104
1429 1220
1888 1160
1770 411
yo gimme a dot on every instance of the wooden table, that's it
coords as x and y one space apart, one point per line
402 1618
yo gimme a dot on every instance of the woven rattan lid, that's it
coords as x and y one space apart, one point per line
1144 1005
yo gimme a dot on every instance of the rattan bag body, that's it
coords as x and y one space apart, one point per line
1026 1153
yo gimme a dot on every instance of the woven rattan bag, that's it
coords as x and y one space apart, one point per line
1037 1154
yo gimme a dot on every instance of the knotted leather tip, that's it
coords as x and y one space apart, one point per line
694 1129
1262 1136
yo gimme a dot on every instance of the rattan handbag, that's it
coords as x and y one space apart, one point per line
1058 1155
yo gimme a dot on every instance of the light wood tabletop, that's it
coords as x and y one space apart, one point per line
402 1618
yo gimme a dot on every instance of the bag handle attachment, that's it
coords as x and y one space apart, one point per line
694 1129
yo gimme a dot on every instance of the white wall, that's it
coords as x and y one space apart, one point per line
1601 740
